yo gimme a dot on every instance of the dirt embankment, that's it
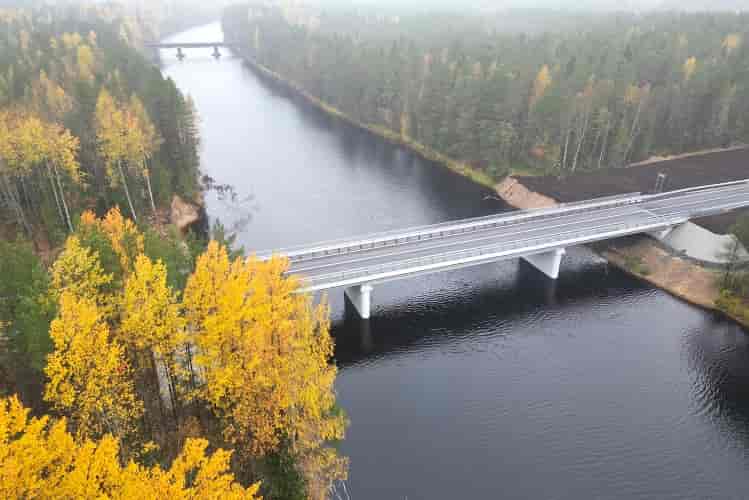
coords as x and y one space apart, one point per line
641 256
696 169
514 192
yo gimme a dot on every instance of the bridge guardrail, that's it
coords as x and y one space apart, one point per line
522 247
437 231
694 189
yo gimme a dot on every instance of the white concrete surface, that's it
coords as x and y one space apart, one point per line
699 243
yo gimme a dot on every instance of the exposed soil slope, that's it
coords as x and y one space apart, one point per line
681 172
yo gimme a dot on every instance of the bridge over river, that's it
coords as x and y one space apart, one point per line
191 45
537 236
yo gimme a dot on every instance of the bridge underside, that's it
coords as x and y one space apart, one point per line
548 263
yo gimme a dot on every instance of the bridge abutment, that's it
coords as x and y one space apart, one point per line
360 297
547 262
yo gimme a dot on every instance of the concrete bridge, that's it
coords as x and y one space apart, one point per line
191 45
538 236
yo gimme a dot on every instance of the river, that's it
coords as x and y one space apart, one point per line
490 382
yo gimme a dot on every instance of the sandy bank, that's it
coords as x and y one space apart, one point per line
638 256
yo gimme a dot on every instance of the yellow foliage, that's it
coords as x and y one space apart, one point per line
63 150
542 82
690 66
143 139
125 133
150 312
49 98
71 40
26 142
126 240
89 376
109 131
633 94
264 354
39 459
731 42
151 318
78 272
85 59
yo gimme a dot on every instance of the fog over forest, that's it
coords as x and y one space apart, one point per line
567 5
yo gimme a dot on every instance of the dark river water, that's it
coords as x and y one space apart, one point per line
490 382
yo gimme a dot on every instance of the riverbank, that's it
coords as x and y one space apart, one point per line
639 256
682 278
381 132
642 258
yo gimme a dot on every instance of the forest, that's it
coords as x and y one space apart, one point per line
86 122
528 91
170 374
138 361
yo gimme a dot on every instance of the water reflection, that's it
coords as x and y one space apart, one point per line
719 364
519 293
485 382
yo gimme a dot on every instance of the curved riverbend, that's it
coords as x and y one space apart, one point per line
488 382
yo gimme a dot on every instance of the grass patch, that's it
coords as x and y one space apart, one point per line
635 264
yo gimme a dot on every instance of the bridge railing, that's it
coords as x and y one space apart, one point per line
694 189
694 203
527 246
446 229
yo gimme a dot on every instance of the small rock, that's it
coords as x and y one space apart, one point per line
183 213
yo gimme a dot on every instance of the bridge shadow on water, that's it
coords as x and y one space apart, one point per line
489 308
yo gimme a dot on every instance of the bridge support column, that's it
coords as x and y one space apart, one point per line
547 262
180 54
361 298
216 52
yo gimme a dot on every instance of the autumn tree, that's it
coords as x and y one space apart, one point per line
111 134
40 459
540 84
142 141
28 144
90 379
263 351
78 272
152 324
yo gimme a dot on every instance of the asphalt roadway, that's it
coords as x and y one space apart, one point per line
328 271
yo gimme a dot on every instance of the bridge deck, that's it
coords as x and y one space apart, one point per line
397 254
188 45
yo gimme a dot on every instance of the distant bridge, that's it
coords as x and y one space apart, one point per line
537 236
192 45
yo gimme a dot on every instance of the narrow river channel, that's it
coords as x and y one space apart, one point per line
490 382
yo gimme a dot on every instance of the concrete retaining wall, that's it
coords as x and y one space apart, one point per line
700 244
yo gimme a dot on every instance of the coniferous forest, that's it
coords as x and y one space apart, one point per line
87 122
537 91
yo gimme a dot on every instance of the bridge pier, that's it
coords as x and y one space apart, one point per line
180 54
547 262
360 297
216 53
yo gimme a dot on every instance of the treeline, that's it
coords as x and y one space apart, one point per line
603 91
146 352
86 122
734 278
